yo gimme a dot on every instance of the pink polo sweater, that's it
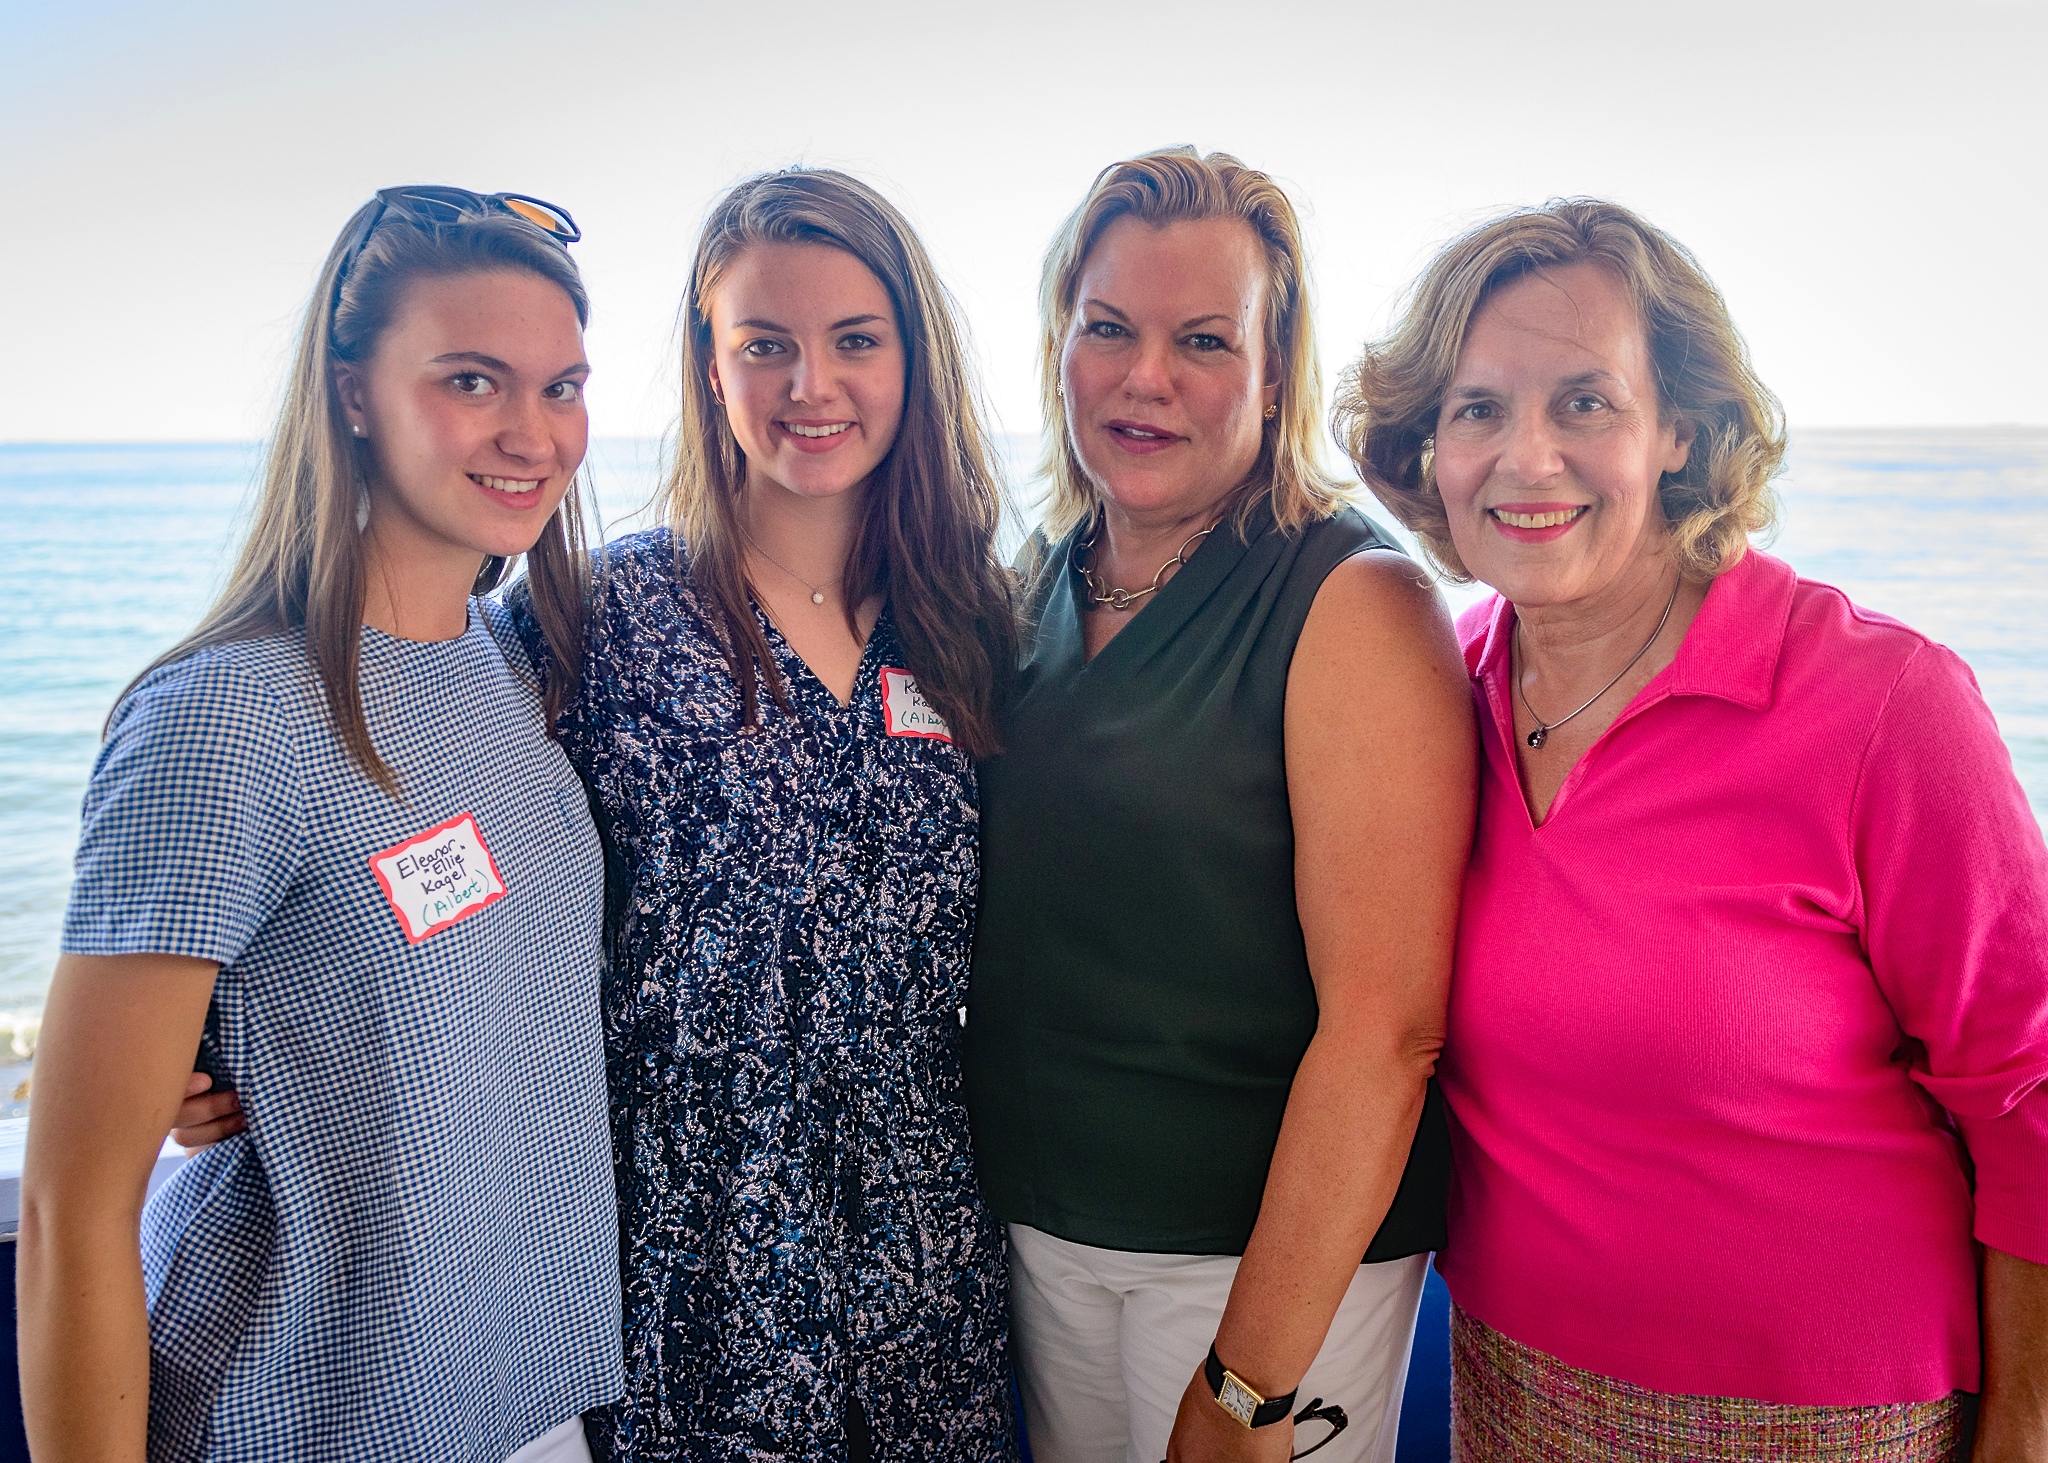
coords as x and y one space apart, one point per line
1718 1024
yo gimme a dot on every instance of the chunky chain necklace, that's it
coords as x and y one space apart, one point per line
1123 599
1543 729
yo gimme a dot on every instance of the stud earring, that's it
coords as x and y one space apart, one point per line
356 427
1272 412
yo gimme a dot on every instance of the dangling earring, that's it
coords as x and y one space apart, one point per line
362 511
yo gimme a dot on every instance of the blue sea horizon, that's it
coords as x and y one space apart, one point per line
112 551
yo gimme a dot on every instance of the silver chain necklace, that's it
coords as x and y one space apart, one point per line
1123 599
1543 730
817 594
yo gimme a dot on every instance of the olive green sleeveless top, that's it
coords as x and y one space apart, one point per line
1140 995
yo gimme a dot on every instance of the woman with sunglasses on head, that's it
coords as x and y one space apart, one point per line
779 703
329 844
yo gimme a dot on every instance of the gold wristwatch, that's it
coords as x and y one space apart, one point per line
1239 1400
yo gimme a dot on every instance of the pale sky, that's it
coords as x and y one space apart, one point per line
1867 182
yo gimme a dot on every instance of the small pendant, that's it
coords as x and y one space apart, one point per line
1538 737
817 596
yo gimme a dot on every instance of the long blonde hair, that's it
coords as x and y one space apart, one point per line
1386 409
927 534
303 564
1180 185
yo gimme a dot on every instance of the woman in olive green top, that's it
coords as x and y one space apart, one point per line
1221 859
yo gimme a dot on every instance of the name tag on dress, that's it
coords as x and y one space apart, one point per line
438 878
905 712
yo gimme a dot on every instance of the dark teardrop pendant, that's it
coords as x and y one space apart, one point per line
1538 737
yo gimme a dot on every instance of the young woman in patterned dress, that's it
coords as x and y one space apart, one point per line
780 699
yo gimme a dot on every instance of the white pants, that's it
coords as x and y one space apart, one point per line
563 1444
1106 1340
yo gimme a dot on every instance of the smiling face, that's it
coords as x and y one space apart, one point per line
1550 446
472 404
809 361
1165 369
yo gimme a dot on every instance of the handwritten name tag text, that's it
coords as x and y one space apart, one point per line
905 712
437 878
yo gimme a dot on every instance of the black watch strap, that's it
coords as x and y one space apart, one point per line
1269 1409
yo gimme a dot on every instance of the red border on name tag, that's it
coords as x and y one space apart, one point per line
889 714
391 895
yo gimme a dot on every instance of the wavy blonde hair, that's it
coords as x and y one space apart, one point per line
1180 185
1387 404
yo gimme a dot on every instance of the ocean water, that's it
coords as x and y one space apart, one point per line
108 554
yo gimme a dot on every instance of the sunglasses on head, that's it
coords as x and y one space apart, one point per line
430 203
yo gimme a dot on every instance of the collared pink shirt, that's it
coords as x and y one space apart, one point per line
1718 1024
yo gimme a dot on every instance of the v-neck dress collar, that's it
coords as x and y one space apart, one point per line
1163 615
807 690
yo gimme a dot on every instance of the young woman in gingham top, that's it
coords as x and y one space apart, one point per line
329 844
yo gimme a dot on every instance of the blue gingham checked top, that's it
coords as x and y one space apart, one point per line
412 1252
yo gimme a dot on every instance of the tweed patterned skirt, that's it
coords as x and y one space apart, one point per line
1513 1404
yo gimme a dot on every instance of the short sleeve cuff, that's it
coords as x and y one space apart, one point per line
2011 1153
2024 1237
160 929
188 836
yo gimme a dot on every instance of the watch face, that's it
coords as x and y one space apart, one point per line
1238 1400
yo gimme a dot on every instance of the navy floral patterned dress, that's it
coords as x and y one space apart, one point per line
790 914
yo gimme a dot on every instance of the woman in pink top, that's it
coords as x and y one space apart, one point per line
1749 1029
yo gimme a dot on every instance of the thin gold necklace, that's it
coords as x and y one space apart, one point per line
1123 599
1543 730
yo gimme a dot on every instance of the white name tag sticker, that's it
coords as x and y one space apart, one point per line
438 878
905 712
